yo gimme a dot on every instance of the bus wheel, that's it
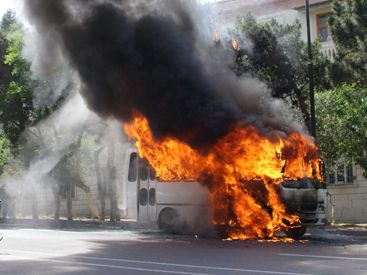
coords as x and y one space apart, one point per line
296 232
168 219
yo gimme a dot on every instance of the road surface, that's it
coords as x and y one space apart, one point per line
106 251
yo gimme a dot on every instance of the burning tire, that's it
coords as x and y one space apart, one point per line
296 232
168 219
222 232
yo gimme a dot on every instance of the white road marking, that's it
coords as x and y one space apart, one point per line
124 267
156 263
325 257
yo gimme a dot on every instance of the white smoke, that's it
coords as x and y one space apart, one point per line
49 141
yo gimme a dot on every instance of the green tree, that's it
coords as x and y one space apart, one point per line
342 124
277 55
341 111
5 153
348 24
16 108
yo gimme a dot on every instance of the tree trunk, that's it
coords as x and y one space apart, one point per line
112 182
35 210
91 203
56 192
55 187
35 215
69 202
79 183
101 193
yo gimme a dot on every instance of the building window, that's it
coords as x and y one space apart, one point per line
331 178
341 174
323 27
349 173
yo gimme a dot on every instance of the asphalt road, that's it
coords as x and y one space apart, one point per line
111 251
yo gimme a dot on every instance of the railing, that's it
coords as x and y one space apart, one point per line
327 49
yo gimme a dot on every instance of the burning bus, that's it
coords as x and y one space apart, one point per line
184 206
246 206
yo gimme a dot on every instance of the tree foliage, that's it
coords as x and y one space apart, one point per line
16 108
342 111
277 55
342 124
348 24
5 153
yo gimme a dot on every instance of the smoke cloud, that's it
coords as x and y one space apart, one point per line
45 147
150 57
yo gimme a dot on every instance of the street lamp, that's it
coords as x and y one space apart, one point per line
310 71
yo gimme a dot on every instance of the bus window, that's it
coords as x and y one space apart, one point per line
133 167
143 196
152 174
152 196
143 169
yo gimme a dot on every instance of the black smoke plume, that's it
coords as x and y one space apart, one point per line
148 56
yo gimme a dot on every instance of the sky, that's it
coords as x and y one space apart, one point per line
7 4
15 5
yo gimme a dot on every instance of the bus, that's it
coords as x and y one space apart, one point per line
184 205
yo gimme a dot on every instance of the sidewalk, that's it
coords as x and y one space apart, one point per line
85 224
350 226
354 230
348 233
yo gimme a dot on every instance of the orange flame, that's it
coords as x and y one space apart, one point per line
216 37
243 169
235 44
216 33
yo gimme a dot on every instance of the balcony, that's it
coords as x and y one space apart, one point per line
327 48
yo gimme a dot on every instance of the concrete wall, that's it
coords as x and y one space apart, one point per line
80 202
46 202
283 17
349 201
80 207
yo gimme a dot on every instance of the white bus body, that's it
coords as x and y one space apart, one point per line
170 204
185 205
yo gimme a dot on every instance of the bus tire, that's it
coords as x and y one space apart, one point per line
168 219
296 232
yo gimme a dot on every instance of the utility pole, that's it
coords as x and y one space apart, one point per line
310 71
